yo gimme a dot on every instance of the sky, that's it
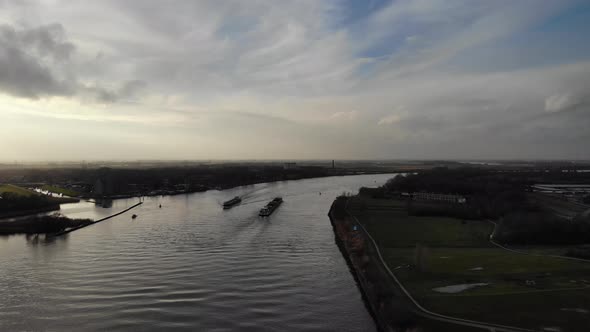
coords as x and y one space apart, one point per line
306 79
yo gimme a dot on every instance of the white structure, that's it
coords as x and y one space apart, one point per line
439 197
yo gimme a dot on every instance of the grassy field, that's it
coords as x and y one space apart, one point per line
563 309
397 229
16 189
458 252
59 190
10 188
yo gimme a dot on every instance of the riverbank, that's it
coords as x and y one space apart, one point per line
164 192
132 181
387 303
343 233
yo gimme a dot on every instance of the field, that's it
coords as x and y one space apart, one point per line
397 229
514 289
16 189
27 201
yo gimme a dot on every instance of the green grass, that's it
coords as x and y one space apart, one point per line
504 272
533 310
453 248
397 229
9 188
5 188
496 261
59 190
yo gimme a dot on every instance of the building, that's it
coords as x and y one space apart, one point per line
448 198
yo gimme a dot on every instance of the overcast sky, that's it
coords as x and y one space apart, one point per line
329 79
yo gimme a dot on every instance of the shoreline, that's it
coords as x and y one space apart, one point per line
369 305
123 196
368 277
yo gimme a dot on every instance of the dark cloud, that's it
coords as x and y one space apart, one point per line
47 40
103 95
36 63
25 60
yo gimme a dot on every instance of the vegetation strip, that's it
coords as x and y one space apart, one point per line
427 313
97 221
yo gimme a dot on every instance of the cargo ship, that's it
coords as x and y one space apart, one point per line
270 207
232 202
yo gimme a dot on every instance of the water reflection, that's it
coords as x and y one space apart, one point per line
45 239
104 202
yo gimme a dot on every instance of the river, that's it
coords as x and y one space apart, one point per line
190 265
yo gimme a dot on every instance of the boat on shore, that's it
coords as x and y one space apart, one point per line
232 202
270 207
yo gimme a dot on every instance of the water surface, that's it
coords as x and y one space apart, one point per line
190 265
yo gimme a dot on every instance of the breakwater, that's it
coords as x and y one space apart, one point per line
96 221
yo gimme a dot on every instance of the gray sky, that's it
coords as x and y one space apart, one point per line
326 79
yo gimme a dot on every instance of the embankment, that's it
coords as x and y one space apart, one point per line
387 307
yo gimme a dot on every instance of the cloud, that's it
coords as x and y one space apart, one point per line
101 94
213 67
560 102
46 41
345 115
36 63
26 58
390 119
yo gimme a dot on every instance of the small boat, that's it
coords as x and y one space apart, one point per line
134 216
232 202
270 207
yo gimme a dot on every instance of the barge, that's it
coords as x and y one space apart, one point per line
270 207
232 202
